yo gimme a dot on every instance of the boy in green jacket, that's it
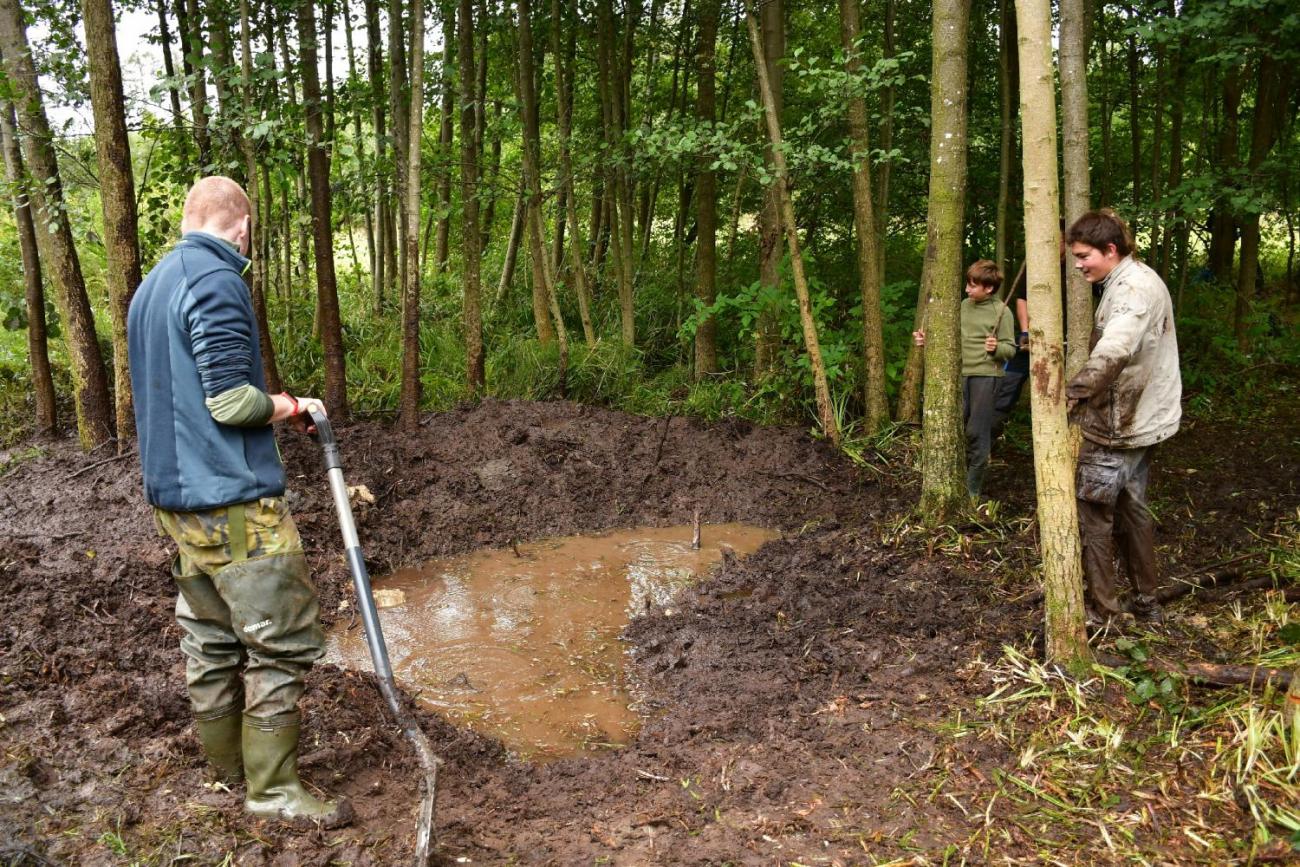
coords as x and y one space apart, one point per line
987 342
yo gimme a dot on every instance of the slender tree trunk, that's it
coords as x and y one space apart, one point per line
1134 125
399 101
706 200
943 483
375 68
38 352
1074 153
363 162
492 178
864 227
512 246
117 196
472 318
825 412
318 169
54 233
1157 155
617 205
1009 86
564 116
192 44
258 277
888 51
1107 111
409 414
1223 222
327 28
1172 220
767 340
532 180
1058 527
1271 98
169 66
445 137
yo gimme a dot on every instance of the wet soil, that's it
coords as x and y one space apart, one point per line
801 698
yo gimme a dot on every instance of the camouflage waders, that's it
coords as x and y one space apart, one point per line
247 605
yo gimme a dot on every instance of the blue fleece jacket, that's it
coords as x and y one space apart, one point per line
191 334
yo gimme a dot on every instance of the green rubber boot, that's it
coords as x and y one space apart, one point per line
271 767
221 738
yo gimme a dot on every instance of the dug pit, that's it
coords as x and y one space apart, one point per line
523 643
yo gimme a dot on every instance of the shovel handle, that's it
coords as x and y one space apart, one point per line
324 433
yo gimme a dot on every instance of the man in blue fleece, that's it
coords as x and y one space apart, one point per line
250 622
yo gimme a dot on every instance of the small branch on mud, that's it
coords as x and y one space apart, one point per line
646 775
796 477
1210 673
98 464
1183 584
1264 582
695 530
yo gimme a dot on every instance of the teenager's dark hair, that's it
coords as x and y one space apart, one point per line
1099 228
984 272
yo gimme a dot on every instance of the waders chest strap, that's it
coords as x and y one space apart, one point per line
237 532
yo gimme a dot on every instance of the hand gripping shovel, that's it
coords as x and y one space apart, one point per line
375 634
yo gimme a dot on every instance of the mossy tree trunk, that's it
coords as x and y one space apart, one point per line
943 451
409 408
1074 156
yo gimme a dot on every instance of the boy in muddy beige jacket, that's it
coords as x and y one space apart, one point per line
1126 399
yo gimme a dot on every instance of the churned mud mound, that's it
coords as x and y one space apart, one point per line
793 701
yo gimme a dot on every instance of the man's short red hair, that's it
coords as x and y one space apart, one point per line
216 202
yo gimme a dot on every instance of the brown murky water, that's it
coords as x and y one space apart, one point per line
523 644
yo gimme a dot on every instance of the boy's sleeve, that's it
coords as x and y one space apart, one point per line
1006 336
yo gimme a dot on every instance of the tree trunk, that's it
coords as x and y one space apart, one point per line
318 170
445 138
190 17
117 196
472 317
888 50
375 69
169 66
564 118
1271 98
532 179
399 109
1058 525
38 352
54 233
409 411
327 27
825 412
1134 126
363 163
706 198
617 205
1223 223
1074 155
1173 221
512 246
1009 88
943 484
864 227
767 340
258 277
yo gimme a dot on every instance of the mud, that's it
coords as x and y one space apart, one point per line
799 698
523 643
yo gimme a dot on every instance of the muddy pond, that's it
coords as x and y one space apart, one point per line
523 643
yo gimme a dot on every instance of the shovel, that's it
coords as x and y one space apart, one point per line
375 634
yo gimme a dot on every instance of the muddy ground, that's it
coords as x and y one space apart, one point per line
798 701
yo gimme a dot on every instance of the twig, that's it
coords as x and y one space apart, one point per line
1213 674
97 464
796 477
646 775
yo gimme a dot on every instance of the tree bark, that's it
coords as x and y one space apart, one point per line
706 199
318 170
38 351
1074 155
409 411
363 163
888 50
375 68
1058 526
117 196
564 118
618 204
825 412
1223 223
258 202
472 317
1009 88
864 226
767 340
445 137
169 66
399 110
54 233
546 332
1134 126
943 484
191 22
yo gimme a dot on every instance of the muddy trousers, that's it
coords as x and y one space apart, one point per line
1113 514
978 396
249 618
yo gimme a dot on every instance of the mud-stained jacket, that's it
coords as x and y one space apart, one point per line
1130 388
